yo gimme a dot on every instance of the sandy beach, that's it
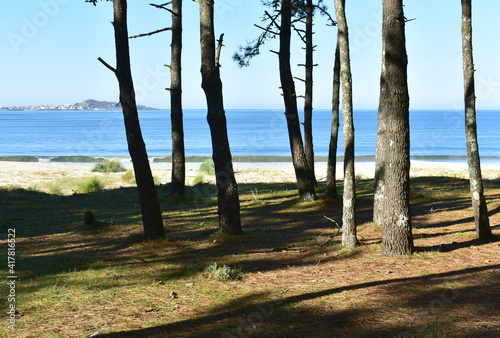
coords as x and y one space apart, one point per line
41 175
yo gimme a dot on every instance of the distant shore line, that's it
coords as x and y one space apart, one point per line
238 159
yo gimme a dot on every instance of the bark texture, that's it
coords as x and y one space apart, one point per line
392 177
227 189
177 123
308 105
331 170
349 239
481 220
150 206
305 180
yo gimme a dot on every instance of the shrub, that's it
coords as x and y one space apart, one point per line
207 167
198 179
55 189
128 177
223 272
109 166
156 180
92 184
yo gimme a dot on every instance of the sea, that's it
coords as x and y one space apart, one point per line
254 135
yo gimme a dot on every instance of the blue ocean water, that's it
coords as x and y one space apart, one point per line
435 134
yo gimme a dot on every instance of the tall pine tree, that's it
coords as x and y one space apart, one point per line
227 189
392 176
481 220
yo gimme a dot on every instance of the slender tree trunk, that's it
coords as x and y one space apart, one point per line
349 239
392 202
227 189
481 220
308 105
178 153
305 181
150 206
331 171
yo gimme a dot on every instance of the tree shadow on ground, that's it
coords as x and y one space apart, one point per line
421 304
275 223
35 213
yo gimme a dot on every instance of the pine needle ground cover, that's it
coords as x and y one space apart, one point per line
291 276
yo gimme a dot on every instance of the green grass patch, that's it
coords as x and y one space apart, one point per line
207 167
92 184
128 177
223 273
411 288
199 179
55 189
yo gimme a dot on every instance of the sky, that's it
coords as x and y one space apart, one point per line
49 51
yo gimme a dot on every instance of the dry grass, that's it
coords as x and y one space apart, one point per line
296 280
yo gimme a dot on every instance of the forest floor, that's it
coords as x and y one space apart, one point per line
286 276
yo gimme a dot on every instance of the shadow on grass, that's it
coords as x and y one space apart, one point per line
448 247
423 298
274 221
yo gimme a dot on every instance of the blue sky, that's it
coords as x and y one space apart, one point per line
49 51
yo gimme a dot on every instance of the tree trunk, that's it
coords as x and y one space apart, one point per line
349 239
305 181
392 202
308 105
227 189
150 206
331 170
481 220
178 153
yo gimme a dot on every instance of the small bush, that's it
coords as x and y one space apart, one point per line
198 179
222 272
108 166
207 167
128 177
55 189
92 184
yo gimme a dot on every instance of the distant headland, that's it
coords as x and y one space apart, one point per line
84 105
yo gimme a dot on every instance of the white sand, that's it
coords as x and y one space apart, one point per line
41 174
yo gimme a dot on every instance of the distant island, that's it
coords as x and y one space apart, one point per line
85 105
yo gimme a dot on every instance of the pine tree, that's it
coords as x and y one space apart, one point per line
481 220
349 239
227 189
392 176
150 206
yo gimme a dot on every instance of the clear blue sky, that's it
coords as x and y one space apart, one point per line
49 51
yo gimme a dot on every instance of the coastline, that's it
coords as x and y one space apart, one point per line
41 175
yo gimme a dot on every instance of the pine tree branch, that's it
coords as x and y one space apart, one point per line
273 19
162 6
107 65
299 33
329 17
219 49
151 33
266 30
